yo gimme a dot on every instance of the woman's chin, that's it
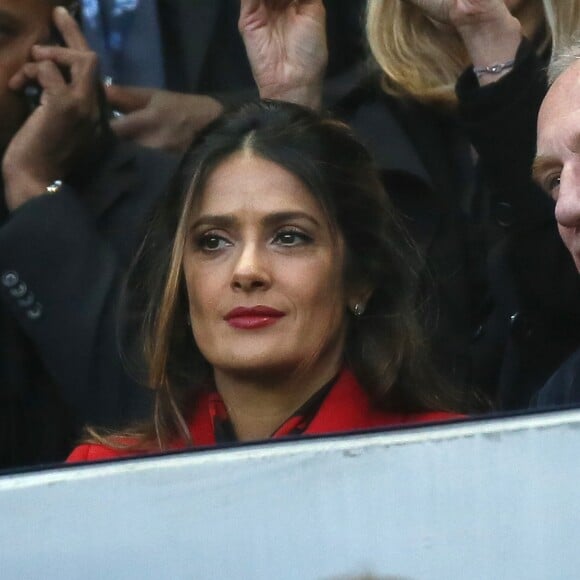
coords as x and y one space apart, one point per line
257 367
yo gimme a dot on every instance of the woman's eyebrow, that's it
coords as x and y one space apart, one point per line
217 220
285 216
230 220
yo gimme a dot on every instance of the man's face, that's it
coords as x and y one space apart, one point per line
557 165
23 23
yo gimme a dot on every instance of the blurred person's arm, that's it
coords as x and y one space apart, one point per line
68 129
287 48
158 118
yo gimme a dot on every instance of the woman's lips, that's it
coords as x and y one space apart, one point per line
250 318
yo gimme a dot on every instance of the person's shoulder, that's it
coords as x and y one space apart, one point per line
433 417
380 418
563 388
98 452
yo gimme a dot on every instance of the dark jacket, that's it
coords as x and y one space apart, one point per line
62 260
486 231
532 278
563 387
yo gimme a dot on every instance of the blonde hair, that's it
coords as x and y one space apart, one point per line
563 59
423 61
564 21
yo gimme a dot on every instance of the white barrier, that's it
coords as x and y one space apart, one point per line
490 499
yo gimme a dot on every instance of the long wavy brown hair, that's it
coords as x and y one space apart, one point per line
385 347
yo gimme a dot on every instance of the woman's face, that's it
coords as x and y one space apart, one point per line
263 272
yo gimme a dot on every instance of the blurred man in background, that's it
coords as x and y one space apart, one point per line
557 170
72 199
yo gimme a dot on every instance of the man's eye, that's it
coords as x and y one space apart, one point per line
212 242
291 238
552 183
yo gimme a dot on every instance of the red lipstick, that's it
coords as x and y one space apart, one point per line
251 318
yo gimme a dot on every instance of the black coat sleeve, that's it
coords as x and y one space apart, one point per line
61 270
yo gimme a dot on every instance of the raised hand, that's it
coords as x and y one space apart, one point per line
160 119
286 45
462 12
64 131
491 34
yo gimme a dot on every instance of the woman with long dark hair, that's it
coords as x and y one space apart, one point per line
280 291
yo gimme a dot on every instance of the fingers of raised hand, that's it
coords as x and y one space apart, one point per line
82 64
248 7
69 29
75 100
255 13
280 4
45 73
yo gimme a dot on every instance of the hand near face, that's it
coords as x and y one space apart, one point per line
286 45
489 31
160 119
63 131
461 12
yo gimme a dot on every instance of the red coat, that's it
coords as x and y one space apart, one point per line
347 407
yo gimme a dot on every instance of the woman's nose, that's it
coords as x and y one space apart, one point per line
251 270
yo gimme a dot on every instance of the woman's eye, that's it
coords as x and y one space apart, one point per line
291 238
213 242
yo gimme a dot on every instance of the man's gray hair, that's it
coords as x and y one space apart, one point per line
563 59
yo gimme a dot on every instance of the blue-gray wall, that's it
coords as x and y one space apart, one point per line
491 499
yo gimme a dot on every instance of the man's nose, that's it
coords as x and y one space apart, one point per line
251 270
568 203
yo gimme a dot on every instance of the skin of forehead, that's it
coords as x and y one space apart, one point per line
562 92
562 100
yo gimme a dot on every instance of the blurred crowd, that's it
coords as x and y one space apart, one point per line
100 100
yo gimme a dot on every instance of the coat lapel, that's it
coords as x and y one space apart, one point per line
384 136
116 174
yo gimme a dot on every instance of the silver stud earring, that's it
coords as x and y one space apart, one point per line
358 309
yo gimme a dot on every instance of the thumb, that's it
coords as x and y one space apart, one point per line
128 99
